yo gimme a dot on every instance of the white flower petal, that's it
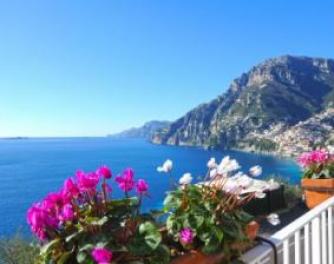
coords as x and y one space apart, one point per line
160 169
273 219
255 171
330 150
166 167
231 187
225 161
260 195
227 165
213 173
186 179
273 185
212 163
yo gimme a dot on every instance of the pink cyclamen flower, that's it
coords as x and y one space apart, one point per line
87 182
314 157
67 213
41 220
319 156
126 181
102 255
70 189
304 160
141 186
52 205
186 236
104 171
53 201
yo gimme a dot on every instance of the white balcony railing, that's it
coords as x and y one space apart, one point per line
307 240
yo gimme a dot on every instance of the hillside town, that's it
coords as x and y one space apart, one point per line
302 137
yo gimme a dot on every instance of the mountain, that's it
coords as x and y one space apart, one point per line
280 92
146 131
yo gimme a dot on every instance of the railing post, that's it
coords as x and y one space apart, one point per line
316 253
307 244
286 254
297 248
324 248
330 235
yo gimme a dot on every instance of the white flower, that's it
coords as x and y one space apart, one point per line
237 175
213 173
260 195
330 150
185 179
227 165
273 185
212 163
244 181
225 161
166 167
255 171
233 166
231 187
273 219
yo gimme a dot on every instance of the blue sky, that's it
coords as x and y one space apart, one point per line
89 68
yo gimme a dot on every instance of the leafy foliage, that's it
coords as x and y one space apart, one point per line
214 216
17 250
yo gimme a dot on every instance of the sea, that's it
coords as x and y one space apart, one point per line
31 168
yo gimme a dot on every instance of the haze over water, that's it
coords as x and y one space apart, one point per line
31 168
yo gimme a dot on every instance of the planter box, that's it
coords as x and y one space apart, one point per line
317 191
273 201
199 258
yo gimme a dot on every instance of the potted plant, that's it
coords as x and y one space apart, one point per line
206 223
318 177
82 224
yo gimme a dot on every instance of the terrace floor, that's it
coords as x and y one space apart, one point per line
287 216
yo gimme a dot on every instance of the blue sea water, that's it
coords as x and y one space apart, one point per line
30 168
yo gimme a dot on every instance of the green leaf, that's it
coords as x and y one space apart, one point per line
74 235
151 234
171 202
102 221
196 221
212 245
81 257
50 245
146 240
219 233
204 236
86 247
63 259
161 256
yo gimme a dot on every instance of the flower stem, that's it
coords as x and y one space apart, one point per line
104 191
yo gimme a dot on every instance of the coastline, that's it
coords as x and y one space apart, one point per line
275 154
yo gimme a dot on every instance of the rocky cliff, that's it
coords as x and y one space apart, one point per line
146 131
279 92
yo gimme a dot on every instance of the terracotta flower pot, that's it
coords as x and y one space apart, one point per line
197 257
317 191
252 229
